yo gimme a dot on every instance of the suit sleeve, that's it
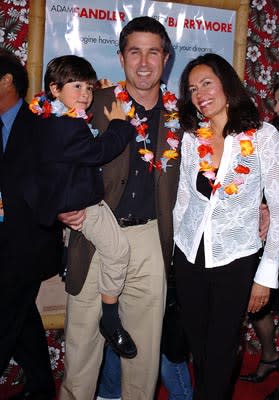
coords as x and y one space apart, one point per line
83 149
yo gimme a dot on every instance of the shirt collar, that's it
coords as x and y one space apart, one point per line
159 105
9 116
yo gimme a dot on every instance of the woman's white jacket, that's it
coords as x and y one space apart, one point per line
230 223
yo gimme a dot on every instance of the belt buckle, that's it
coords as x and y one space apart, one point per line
124 222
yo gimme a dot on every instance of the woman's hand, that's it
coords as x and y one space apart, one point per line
116 111
259 297
73 219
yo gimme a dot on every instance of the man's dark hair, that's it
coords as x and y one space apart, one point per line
242 112
11 64
65 69
145 24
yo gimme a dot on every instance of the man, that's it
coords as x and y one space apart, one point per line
141 191
28 253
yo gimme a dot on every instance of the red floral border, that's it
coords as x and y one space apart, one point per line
14 27
262 56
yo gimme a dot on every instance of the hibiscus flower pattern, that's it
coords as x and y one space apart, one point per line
13 376
14 27
262 55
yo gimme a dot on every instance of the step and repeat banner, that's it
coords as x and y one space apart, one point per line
91 30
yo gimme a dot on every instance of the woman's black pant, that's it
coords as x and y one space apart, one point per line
213 303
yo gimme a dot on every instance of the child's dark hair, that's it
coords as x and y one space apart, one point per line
65 69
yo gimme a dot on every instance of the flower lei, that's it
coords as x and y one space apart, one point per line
40 105
172 123
205 151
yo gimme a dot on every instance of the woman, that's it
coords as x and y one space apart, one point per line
228 158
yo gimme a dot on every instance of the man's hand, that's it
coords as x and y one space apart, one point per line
73 219
259 297
264 221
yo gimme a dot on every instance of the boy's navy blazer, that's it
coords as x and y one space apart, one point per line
67 173
28 251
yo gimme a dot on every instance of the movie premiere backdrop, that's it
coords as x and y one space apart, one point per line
91 30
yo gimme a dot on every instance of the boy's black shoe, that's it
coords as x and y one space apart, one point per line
120 341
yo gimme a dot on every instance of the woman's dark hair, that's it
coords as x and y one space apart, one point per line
275 86
65 69
275 120
11 64
145 24
242 112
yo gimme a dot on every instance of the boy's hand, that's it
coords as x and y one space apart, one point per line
73 219
116 111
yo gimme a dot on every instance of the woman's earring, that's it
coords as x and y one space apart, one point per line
200 116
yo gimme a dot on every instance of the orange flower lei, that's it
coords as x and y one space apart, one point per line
172 123
205 151
42 106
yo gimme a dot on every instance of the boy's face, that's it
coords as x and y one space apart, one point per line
78 94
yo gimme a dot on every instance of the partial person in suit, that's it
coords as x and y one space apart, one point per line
140 187
29 253
67 177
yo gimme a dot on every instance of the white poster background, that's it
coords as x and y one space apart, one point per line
91 29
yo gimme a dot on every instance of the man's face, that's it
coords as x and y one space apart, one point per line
143 61
5 85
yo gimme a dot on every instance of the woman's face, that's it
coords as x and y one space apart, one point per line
207 92
276 99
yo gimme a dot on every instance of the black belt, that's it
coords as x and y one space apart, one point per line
123 222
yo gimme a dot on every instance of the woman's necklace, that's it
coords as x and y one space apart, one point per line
205 151
172 123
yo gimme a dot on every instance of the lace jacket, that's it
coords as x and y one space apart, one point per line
230 224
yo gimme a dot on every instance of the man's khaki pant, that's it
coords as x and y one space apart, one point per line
141 310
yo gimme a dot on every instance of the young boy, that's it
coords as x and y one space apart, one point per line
67 177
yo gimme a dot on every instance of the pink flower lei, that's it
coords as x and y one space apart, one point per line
205 151
172 123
